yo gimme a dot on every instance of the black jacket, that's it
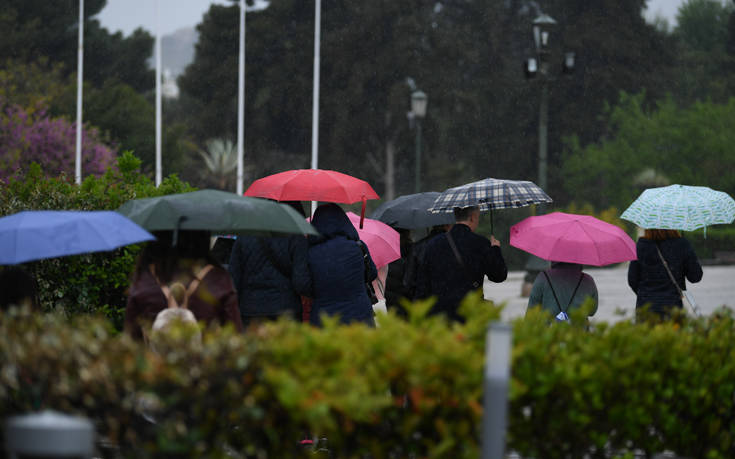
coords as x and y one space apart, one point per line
269 274
442 275
648 278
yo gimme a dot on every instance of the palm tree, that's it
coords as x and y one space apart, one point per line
220 157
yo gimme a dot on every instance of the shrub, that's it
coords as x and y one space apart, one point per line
408 388
89 283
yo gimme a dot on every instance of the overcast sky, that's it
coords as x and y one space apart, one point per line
126 15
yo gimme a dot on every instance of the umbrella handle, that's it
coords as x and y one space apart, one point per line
362 211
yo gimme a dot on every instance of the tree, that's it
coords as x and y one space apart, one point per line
220 158
690 146
27 137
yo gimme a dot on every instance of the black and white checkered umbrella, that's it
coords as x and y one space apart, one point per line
489 194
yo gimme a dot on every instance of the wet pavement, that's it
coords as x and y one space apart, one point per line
717 288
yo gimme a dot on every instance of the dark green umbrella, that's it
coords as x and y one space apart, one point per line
216 211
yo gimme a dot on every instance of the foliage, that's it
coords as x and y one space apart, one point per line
690 146
220 158
35 28
408 388
90 283
482 115
34 136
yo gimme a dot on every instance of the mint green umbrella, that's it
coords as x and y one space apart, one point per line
680 207
217 211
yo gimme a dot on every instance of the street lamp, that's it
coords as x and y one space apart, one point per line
540 66
419 100
543 25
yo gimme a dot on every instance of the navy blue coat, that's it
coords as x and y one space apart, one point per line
338 270
262 288
441 274
648 278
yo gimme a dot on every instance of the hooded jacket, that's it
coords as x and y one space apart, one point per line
338 270
648 278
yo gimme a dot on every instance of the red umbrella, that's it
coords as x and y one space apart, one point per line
313 185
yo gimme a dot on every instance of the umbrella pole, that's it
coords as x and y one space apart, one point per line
491 221
362 211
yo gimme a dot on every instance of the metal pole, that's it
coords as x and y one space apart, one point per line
80 79
241 102
315 98
543 120
418 155
498 346
158 93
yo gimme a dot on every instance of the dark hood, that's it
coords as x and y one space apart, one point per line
331 221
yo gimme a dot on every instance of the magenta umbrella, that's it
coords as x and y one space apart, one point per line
573 238
383 242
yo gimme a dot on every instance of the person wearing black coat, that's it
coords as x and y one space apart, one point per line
270 275
647 275
442 275
338 269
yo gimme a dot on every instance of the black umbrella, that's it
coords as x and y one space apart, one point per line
412 212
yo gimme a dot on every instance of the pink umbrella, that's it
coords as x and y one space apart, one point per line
383 242
573 238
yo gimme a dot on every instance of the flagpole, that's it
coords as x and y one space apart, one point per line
158 93
80 79
241 102
315 100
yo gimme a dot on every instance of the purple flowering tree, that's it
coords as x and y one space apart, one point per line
31 135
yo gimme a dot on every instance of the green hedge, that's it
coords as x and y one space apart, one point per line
406 389
90 283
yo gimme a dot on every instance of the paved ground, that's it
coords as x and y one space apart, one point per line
717 288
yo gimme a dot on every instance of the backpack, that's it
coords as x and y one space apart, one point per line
563 316
177 298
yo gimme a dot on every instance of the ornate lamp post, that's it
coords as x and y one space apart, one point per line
419 100
539 67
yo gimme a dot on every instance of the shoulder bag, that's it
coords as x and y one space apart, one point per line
686 297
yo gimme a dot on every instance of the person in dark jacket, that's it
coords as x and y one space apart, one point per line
338 269
443 276
417 258
395 288
647 275
270 276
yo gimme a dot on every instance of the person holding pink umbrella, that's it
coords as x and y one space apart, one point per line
569 241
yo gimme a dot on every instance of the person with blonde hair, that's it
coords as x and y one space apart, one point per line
649 277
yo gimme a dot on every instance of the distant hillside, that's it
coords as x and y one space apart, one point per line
177 50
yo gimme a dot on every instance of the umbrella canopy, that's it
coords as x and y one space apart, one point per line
312 185
573 238
383 242
35 235
412 212
490 193
680 207
216 211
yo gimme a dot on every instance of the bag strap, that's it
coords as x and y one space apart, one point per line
571 298
475 284
365 253
671 276
193 285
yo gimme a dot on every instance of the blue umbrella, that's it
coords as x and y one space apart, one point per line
35 235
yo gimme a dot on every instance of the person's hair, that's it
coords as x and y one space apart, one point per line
655 234
462 214
165 256
17 288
